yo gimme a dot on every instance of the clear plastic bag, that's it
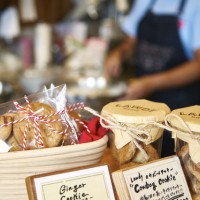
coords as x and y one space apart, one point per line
41 120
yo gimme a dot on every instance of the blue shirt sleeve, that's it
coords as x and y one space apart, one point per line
132 20
196 28
190 32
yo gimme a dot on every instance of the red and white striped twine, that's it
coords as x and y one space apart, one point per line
83 124
76 106
30 115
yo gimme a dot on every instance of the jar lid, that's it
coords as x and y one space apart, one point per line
136 111
190 115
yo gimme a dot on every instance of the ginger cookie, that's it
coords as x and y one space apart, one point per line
6 130
14 145
49 137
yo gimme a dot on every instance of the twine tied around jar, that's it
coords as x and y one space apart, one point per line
137 134
140 134
168 126
30 115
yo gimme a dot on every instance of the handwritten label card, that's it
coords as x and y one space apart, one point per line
158 180
85 184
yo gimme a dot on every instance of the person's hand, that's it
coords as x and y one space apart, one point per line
113 66
138 89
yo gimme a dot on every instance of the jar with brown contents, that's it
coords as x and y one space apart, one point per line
136 138
186 125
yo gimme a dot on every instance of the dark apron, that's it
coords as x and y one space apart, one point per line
158 49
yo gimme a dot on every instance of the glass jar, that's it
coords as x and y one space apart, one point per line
137 136
185 123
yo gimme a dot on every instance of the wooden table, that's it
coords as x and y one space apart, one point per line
109 160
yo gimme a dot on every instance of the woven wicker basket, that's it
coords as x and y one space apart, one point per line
16 166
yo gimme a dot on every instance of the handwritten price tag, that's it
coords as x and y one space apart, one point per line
158 180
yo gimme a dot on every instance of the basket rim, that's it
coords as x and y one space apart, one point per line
53 150
53 157
52 162
47 168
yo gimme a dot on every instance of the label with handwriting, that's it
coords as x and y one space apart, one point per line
161 180
87 184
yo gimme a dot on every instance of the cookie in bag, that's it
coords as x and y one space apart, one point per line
6 131
49 137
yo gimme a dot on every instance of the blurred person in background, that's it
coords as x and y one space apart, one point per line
164 38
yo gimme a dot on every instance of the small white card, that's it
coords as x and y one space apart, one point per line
157 180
